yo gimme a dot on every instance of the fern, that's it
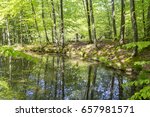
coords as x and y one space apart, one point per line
142 94
141 45
141 63
142 81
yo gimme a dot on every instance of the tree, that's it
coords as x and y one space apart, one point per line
93 24
62 24
54 23
114 20
8 32
148 23
35 20
88 21
143 18
134 26
122 27
44 24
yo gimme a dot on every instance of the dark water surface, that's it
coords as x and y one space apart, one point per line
56 77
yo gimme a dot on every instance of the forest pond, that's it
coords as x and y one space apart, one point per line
60 78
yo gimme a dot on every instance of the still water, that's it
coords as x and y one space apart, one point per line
60 78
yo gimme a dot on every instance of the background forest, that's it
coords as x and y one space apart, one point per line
38 21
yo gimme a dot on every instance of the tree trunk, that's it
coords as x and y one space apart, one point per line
7 32
52 32
4 35
122 27
114 20
54 23
143 18
93 23
35 20
109 21
134 26
148 24
20 31
88 21
44 24
1 36
62 24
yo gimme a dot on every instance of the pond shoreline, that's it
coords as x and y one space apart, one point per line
108 53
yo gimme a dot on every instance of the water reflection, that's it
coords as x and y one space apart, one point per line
58 78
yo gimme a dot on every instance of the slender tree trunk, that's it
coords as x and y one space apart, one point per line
14 31
143 18
109 21
114 20
44 24
54 23
122 27
21 35
134 26
29 37
1 36
4 35
7 32
93 23
84 6
35 20
148 24
52 32
21 28
62 24
88 21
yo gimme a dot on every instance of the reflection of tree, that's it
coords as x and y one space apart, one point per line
45 78
89 81
112 87
36 94
94 81
120 82
10 69
63 77
92 74
57 78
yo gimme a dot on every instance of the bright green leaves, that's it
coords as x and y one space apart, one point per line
142 83
141 45
143 94
9 51
5 91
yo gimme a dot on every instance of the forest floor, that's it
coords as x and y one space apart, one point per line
108 52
